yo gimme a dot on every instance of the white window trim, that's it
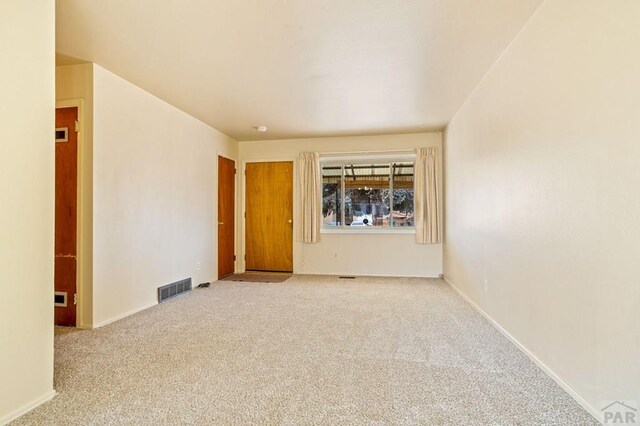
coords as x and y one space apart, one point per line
367 230
364 159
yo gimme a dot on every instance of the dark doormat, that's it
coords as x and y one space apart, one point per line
258 277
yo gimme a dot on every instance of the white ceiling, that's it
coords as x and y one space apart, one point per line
301 67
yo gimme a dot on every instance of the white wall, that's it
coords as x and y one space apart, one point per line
26 197
542 200
75 83
361 254
154 197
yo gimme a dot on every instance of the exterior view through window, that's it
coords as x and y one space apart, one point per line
376 194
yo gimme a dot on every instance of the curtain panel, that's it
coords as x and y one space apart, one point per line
428 215
310 188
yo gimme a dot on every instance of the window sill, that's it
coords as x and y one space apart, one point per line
367 230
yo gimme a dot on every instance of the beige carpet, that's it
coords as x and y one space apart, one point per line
312 350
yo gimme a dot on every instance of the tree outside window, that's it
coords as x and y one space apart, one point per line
368 195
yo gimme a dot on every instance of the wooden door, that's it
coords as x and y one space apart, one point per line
66 216
269 216
226 216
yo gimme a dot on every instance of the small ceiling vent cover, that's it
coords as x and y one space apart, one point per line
171 290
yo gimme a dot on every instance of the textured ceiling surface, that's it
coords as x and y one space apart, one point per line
302 68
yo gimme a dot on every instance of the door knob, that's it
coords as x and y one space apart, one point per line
220 223
289 221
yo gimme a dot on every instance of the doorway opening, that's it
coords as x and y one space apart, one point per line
66 217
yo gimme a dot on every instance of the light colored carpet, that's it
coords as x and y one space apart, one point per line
312 350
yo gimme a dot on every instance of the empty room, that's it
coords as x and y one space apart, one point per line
320 212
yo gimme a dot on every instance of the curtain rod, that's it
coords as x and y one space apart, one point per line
386 151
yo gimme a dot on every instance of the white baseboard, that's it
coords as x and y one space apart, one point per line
126 314
335 274
548 371
26 408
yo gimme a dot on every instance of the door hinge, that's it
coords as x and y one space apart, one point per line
234 257
235 171
75 299
77 126
245 257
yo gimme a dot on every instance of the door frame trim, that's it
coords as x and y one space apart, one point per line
78 103
241 265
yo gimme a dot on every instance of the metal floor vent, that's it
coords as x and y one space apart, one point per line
171 290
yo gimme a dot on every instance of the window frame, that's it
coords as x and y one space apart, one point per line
360 159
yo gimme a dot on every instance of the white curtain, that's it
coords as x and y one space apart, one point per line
428 213
311 210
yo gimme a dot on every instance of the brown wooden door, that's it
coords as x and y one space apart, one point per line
66 216
226 216
269 216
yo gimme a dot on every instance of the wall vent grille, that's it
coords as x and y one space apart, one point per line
172 290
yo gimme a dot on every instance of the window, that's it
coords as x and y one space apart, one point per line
374 194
